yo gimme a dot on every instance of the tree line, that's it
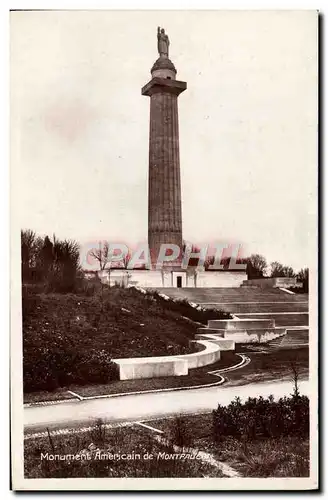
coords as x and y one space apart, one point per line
56 263
257 267
52 262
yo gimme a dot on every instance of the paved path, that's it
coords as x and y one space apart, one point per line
270 313
145 406
256 303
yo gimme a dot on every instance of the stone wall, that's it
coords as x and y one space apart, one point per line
271 282
220 279
159 279
205 357
224 344
162 366
255 336
165 366
241 331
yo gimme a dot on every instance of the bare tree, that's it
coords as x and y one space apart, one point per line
276 269
280 271
296 375
27 251
126 260
303 277
28 237
101 255
256 266
289 272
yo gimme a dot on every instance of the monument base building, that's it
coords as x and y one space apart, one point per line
173 279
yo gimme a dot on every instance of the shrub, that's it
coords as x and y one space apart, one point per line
98 433
52 263
260 417
180 433
60 367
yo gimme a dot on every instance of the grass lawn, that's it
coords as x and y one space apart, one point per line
286 456
102 448
39 396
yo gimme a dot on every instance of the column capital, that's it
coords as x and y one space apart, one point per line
157 84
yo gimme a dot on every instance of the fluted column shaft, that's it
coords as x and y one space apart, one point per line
164 195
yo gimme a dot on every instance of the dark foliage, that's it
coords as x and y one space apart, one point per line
278 270
179 432
256 266
303 277
61 366
52 264
262 418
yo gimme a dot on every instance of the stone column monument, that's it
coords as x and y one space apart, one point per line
164 192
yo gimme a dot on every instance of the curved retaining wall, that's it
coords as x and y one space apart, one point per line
224 344
207 356
161 366
164 366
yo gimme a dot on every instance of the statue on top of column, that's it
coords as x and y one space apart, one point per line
163 42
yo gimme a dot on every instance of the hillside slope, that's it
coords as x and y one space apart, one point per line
70 338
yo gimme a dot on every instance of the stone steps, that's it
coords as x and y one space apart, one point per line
280 318
293 337
261 307
240 331
226 295
241 324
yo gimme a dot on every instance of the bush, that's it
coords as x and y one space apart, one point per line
60 367
260 417
180 433
55 264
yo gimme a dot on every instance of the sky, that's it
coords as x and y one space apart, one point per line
248 126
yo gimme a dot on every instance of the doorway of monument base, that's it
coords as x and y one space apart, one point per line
179 279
